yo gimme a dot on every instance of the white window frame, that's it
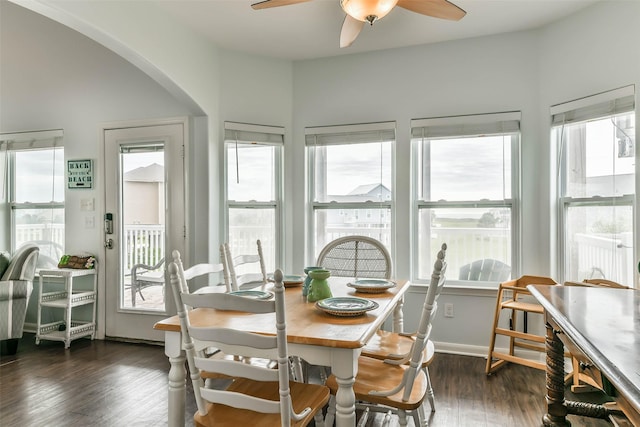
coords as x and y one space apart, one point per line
602 105
504 123
261 135
345 135
24 141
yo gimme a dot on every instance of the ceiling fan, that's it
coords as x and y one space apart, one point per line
361 11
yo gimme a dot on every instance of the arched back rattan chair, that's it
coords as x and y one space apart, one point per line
356 256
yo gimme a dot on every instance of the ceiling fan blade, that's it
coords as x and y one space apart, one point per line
351 27
275 3
437 8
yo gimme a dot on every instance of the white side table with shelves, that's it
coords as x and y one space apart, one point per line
65 297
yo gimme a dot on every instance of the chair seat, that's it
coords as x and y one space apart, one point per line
375 375
303 395
391 345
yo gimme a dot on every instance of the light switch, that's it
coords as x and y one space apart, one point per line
86 204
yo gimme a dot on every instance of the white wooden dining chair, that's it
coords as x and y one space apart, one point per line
246 270
198 270
256 393
181 287
394 345
356 256
397 385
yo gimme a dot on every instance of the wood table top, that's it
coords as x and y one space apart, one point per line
306 324
605 324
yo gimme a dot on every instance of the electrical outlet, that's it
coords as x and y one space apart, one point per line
448 310
89 222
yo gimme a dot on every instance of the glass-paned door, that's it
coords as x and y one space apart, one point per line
143 218
144 222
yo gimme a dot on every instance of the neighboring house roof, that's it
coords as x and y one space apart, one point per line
152 173
363 193
367 189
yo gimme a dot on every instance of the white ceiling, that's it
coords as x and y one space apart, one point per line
312 29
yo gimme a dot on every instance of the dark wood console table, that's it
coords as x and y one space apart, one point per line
600 326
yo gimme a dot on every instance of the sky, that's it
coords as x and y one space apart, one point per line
458 172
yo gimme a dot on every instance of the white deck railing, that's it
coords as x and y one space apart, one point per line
603 257
144 244
592 255
39 232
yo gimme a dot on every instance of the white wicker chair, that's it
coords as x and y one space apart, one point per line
356 256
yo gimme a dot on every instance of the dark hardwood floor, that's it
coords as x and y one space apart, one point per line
106 383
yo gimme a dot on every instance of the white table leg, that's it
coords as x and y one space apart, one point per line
398 316
344 366
177 378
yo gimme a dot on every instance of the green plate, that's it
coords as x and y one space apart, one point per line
346 306
289 280
252 294
371 286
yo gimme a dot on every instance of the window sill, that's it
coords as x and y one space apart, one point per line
458 287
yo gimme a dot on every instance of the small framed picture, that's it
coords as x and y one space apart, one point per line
80 173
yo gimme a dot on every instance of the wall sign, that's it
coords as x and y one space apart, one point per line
80 173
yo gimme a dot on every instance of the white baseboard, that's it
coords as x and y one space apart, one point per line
482 351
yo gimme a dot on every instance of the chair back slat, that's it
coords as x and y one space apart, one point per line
236 263
227 301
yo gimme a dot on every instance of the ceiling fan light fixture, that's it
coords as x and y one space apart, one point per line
367 10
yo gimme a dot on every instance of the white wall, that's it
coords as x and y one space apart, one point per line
54 78
184 63
258 90
463 77
590 52
486 75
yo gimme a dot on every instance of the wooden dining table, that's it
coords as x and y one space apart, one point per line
314 335
601 328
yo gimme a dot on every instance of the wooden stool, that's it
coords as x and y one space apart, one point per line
520 300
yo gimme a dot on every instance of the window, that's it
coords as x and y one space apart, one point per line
595 141
34 185
351 192
253 158
466 181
